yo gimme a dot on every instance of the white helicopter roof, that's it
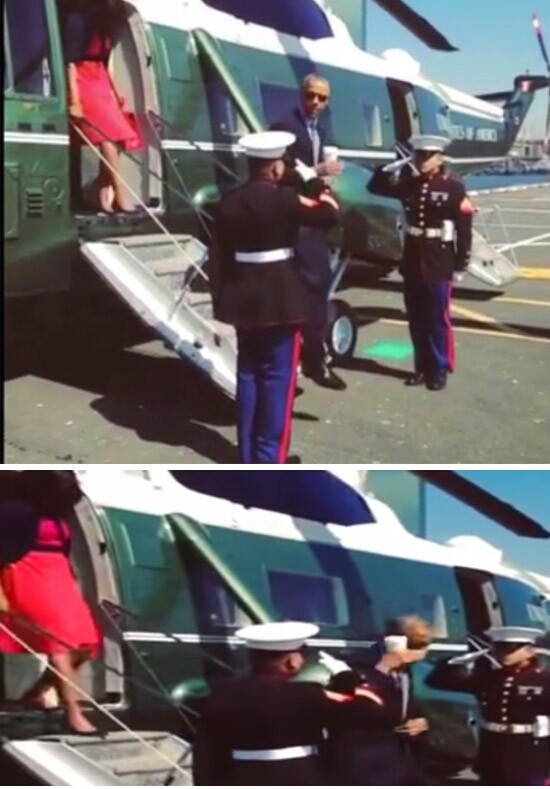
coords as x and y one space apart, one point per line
339 51
157 492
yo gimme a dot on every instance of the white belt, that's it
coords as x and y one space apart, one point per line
265 256
276 754
508 728
424 232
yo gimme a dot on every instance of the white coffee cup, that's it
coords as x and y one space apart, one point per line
395 643
330 153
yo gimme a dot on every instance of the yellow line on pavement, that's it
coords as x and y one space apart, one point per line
527 272
531 302
473 315
486 332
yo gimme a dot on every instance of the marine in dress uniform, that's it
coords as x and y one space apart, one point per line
305 122
265 730
257 287
514 701
385 755
438 238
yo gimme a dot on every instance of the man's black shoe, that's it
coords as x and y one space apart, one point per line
436 382
417 379
327 378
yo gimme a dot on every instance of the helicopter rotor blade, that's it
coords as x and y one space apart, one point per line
416 24
485 503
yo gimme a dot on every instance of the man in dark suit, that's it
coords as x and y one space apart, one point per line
309 148
383 756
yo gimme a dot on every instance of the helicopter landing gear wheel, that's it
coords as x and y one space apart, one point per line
342 330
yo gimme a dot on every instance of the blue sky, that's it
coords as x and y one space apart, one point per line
528 491
495 39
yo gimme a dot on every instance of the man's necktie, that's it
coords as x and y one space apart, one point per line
315 142
401 680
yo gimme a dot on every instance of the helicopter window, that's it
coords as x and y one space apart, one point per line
216 604
277 101
303 18
521 604
226 119
434 112
399 587
29 42
480 599
311 598
373 124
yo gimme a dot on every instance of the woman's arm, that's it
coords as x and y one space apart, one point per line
75 107
4 605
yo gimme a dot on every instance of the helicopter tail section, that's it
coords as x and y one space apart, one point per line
517 102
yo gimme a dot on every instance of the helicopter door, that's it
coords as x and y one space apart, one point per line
480 598
231 113
131 67
36 140
96 574
406 118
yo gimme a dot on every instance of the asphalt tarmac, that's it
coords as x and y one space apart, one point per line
107 392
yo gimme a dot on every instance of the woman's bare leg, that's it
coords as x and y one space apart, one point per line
39 692
67 664
109 176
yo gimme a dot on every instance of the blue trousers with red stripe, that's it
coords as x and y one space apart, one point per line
267 362
428 312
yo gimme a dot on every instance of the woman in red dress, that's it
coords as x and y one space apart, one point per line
38 587
88 30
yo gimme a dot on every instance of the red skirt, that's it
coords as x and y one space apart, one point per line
41 587
103 116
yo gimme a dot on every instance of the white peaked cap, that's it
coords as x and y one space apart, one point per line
277 636
517 635
267 145
429 142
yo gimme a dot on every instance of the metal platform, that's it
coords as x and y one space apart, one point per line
162 279
489 262
113 759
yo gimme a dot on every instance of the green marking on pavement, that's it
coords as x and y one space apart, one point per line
388 349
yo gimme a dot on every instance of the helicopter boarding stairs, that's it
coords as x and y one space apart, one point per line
161 278
112 759
493 262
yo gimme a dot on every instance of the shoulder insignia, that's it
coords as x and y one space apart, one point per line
341 698
466 207
364 692
326 198
307 201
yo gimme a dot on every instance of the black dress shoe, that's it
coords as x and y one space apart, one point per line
417 379
328 379
436 382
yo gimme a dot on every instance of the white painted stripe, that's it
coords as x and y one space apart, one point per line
508 189
346 153
524 243
196 638
35 138
525 210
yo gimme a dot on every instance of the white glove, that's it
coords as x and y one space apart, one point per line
334 665
458 276
397 166
306 173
